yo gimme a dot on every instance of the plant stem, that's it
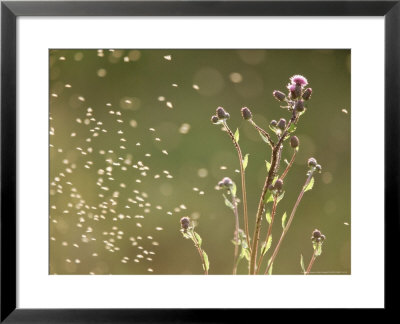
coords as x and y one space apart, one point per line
269 231
197 245
235 211
270 177
311 263
289 221
262 131
242 174
289 165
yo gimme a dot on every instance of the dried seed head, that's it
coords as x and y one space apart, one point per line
307 94
279 95
312 162
185 222
246 113
294 141
299 106
214 119
281 124
221 113
278 184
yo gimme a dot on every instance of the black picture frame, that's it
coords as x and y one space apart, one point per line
10 10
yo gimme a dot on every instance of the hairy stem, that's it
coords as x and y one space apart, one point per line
235 211
242 174
289 165
275 158
289 221
262 131
269 231
311 263
197 245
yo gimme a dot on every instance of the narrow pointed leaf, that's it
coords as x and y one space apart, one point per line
266 247
237 135
245 161
207 263
270 269
284 220
310 185
268 216
302 263
228 203
198 238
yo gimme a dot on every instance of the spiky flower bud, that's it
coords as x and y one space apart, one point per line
273 123
246 113
220 184
299 106
316 234
279 95
312 162
221 113
271 187
281 124
294 141
227 182
307 94
227 115
318 168
185 222
214 119
278 185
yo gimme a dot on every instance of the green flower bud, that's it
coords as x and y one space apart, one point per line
221 113
307 94
279 95
278 185
299 106
214 119
185 222
273 123
281 124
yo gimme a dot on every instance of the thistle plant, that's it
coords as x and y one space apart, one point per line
317 239
254 250
188 232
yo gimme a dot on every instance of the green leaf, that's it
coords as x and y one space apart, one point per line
268 197
268 216
233 189
270 269
266 247
245 161
207 263
228 203
310 185
302 263
198 238
246 254
280 197
284 220
268 165
265 139
292 128
317 248
237 135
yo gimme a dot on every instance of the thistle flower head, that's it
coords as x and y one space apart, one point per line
281 124
185 222
317 236
278 185
299 79
312 162
299 105
279 95
307 94
214 119
294 141
221 113
246 113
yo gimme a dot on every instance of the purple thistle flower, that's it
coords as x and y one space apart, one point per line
299 80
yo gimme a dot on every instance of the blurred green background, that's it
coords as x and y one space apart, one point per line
132 150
